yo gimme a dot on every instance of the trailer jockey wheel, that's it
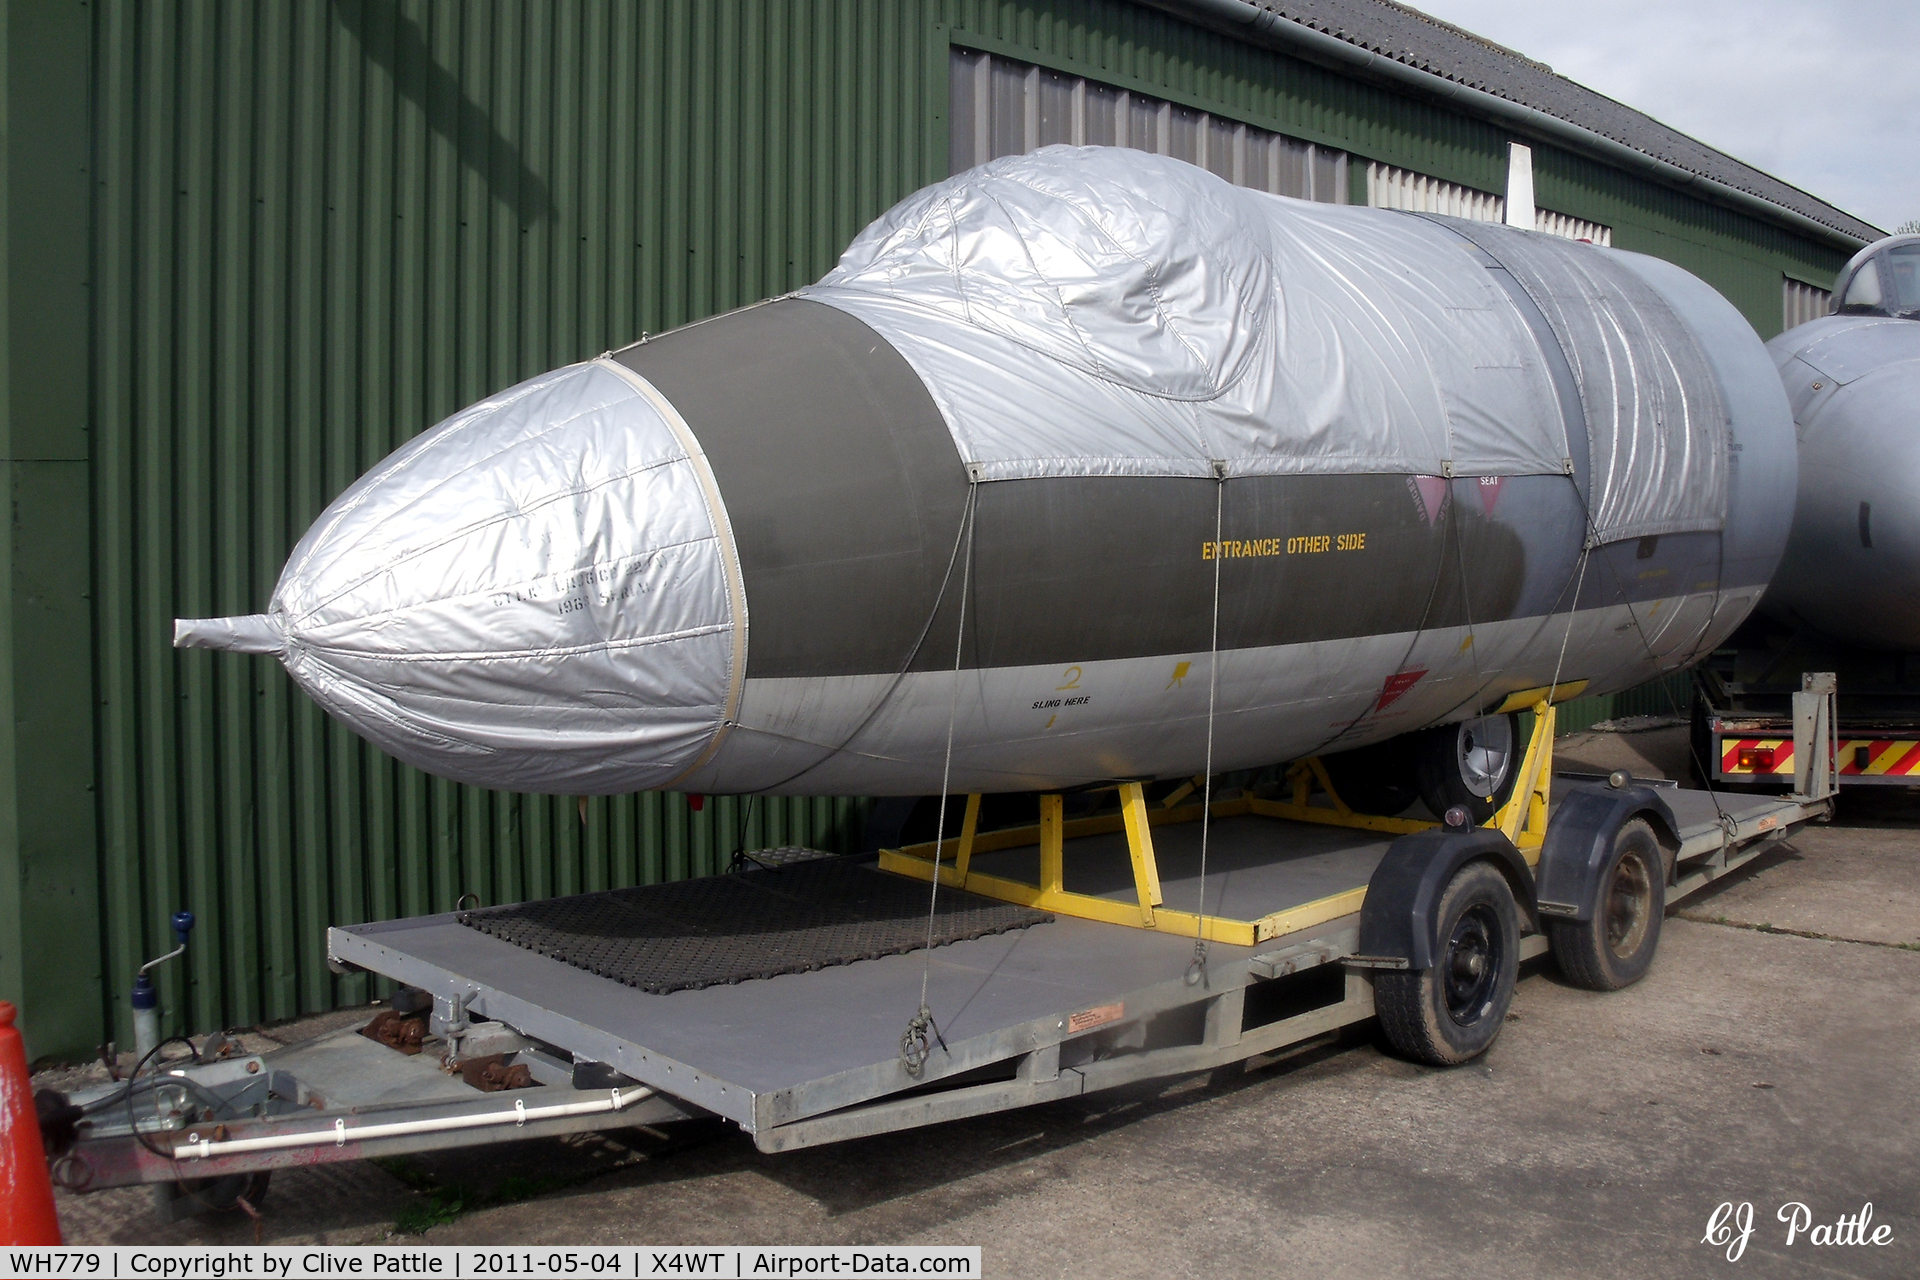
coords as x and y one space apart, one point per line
223 1194
1472 764
1451 1013
1613 948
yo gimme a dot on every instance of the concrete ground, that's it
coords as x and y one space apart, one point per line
1772 1056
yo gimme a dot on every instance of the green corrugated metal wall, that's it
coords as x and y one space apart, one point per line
1670 695
251 248
321 227
1138 48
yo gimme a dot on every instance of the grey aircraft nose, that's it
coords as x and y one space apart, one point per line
1852 565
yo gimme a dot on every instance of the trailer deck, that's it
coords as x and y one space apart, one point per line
1050 1010
772 1053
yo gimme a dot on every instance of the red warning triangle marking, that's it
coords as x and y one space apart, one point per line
1396 685
1431 493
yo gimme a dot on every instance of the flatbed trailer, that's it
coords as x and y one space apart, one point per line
1313 917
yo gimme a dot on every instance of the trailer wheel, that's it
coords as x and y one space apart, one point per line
1451 1013
1613 948
1471 765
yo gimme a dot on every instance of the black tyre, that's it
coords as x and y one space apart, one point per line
1614 948
1376 779
1451 1013
1472 765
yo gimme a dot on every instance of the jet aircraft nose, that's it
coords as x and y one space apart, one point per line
1852 566
538 594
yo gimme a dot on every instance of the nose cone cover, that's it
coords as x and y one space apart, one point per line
538 594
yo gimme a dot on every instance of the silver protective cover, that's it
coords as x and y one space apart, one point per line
1656 423
1084 311
543 592
540 593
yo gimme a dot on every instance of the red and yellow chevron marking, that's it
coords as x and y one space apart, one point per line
1859 757
1883 758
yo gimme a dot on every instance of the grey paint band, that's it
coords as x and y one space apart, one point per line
840 477
846 495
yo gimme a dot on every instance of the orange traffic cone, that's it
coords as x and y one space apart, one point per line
26 1192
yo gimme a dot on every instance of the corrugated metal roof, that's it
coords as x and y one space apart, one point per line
1408 36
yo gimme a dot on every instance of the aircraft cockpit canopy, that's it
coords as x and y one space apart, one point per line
1883 280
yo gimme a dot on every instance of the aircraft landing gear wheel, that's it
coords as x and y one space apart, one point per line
1376 779
1473 765
1451 1013
1614 948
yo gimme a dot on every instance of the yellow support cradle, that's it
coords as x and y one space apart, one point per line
1523 820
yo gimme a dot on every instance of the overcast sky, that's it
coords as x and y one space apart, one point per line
1821 93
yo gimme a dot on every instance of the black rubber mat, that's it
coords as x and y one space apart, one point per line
750 924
